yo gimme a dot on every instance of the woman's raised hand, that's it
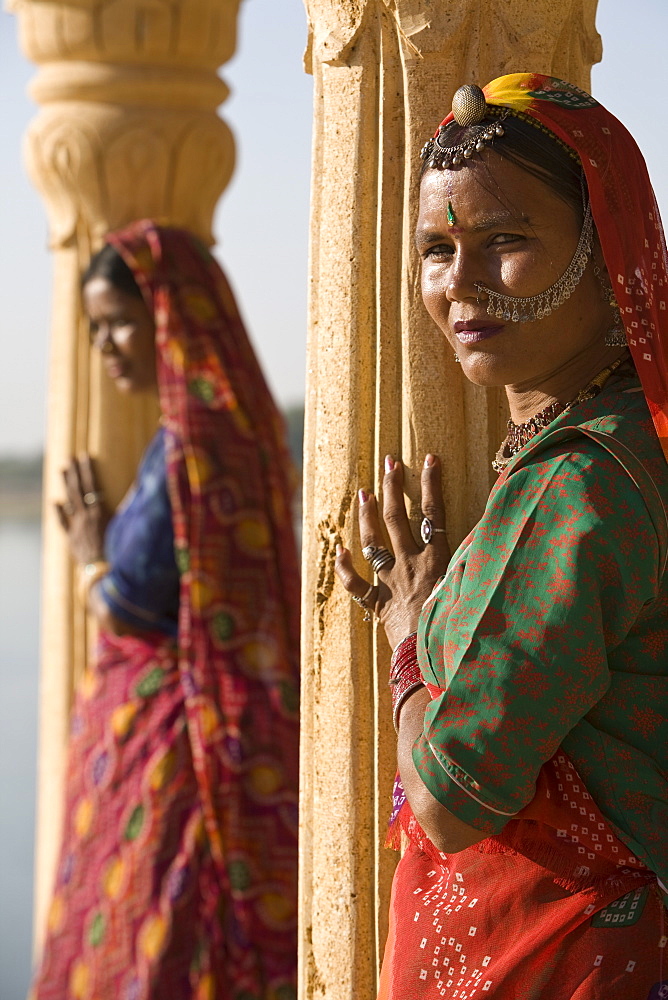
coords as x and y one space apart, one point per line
405 582
83 515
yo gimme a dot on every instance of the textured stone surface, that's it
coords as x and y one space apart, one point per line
380 379
127 129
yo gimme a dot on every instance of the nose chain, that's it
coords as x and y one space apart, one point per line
526 308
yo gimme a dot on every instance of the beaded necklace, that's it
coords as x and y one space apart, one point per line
521 434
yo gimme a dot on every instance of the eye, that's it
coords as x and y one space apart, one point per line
441 250
502 238
120 321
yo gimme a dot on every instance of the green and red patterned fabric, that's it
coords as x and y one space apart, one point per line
545 651
550 631
178 876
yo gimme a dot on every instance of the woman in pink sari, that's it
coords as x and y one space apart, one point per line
177 876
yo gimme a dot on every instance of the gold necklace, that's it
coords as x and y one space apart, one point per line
521 434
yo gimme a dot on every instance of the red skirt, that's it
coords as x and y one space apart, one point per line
138 912
554 908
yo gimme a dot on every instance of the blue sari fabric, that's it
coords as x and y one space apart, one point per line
142 587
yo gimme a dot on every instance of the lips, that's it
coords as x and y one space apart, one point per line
116 370
472 331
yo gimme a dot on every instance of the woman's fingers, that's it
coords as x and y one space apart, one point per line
433 507
371 532
73 484
62 516
355 584
394 509
87 475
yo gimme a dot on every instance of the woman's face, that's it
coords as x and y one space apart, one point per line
122 328
512 233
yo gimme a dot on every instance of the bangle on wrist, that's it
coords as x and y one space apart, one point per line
405 674
89 574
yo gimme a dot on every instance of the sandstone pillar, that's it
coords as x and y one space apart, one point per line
381 379
127 129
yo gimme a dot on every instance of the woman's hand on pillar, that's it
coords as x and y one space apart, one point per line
83 514
405 582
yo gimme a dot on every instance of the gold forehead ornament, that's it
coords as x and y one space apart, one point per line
469 109
469 106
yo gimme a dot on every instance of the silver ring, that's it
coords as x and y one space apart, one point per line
93 497
369 551
427 531
381 558
362 603
367 617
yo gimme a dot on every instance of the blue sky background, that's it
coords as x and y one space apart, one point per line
261 223
262 220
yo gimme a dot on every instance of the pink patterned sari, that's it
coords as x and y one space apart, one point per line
178 872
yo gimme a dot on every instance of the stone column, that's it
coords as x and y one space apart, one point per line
127 129
382 380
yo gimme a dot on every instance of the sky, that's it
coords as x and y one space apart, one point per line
261 223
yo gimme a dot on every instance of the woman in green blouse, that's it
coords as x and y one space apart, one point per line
530 669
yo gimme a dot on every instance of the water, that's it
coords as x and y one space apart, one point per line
19 645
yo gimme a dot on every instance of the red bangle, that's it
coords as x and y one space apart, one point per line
405 674
405 652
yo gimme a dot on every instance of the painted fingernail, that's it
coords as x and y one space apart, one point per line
429 461
363 496
389 463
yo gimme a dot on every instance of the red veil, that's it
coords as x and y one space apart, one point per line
229 477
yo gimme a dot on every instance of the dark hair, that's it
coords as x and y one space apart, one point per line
108 263
533 148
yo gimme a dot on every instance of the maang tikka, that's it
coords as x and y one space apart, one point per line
469 108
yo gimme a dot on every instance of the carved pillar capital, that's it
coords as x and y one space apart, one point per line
128 126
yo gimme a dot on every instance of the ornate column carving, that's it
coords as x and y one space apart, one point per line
381 380
127 129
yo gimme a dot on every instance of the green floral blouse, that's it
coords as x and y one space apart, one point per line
550 628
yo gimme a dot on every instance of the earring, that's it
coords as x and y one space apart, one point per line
616 335
457 361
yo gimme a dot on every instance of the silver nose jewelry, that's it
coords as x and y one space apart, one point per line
526 308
